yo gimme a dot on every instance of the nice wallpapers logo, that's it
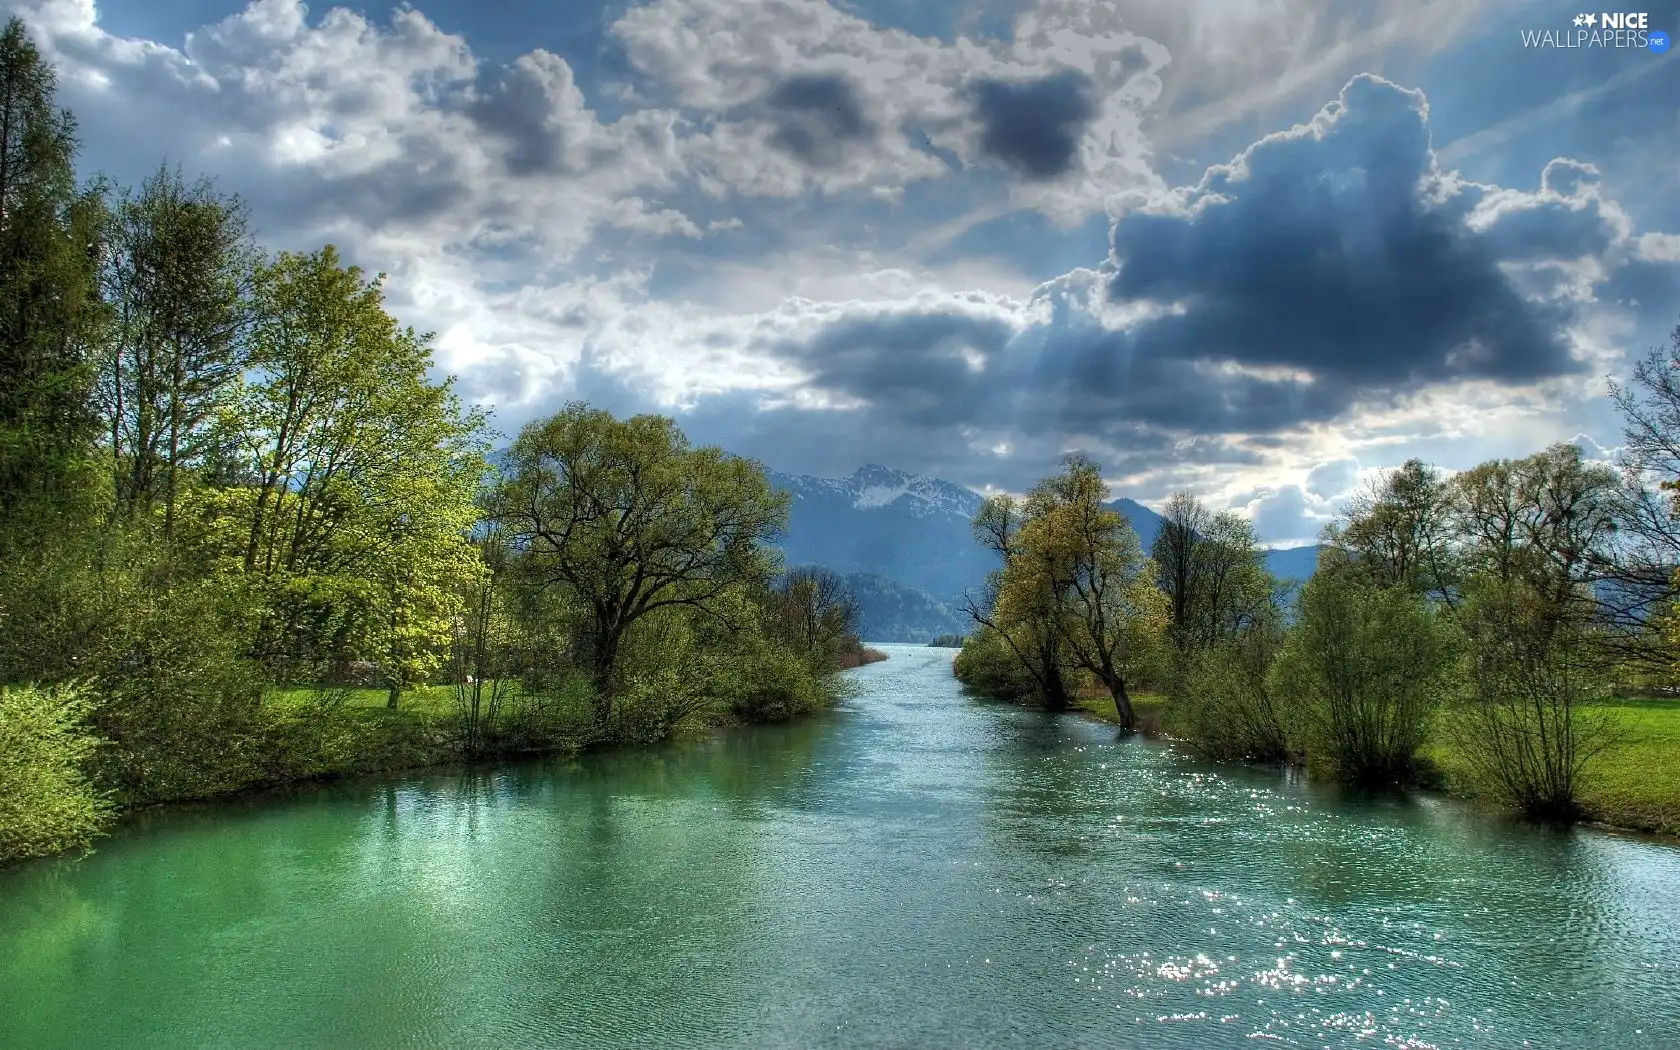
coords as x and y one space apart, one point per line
1602 29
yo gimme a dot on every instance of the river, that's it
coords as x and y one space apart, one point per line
914 869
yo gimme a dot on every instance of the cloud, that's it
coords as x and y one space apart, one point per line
1035 126
796 95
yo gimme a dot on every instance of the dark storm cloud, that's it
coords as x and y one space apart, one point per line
1034 126
1323 270
817 117
1324 252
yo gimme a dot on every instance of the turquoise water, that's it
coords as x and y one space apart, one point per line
915 869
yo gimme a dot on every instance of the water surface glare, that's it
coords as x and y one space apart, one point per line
915 869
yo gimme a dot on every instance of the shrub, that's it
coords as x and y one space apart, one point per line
1362 674
1224 707
47 802
986 666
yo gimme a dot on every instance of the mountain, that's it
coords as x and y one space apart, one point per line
911 529
1292 563
891 612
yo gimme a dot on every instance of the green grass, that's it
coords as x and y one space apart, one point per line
1149 708
1633 783
424 700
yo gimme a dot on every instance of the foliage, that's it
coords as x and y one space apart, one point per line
1225 706
176 274
987 666
947 641
1075 591
1362 673
48 803
626 519
49 308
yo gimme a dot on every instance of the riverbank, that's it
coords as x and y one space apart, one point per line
1632 785
304 736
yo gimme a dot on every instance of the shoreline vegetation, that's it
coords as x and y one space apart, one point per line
1508 633
248 536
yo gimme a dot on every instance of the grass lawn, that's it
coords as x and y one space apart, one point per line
423 700
1633 783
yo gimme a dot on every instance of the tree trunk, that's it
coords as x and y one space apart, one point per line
393 696
1055 688
1123 704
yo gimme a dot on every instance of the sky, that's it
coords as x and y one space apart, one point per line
1256 249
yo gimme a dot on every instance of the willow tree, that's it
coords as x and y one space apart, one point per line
626 518
1075 587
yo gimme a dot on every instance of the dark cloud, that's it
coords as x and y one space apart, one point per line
1034 126
514 105
817 117
1327 268
1323 250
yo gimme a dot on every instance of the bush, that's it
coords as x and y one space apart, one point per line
164 656
1529 721
986 666
1224 708
1362 674
47 802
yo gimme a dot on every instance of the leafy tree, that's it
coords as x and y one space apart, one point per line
49 247
1364 669
1090 559
363 477
626 519
1075 589
1019 610
1400 531
176 274
1533 531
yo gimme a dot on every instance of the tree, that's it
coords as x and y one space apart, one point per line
363 477
1364 670
1177 550
1400 531
1639 574
49 247
816 613
176 273
1018 608
1092 561
1075 587
1533 531
627 518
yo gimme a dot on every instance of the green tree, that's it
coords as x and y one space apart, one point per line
1533 531
626 519
49 247
176 274
363 478
1019 610
1401 532
1365 669
1115 617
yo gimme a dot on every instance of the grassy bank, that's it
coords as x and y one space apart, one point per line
1633 784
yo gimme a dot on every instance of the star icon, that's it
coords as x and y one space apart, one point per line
1592 20
1580 20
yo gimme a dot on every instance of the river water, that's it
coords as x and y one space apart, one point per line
915 869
